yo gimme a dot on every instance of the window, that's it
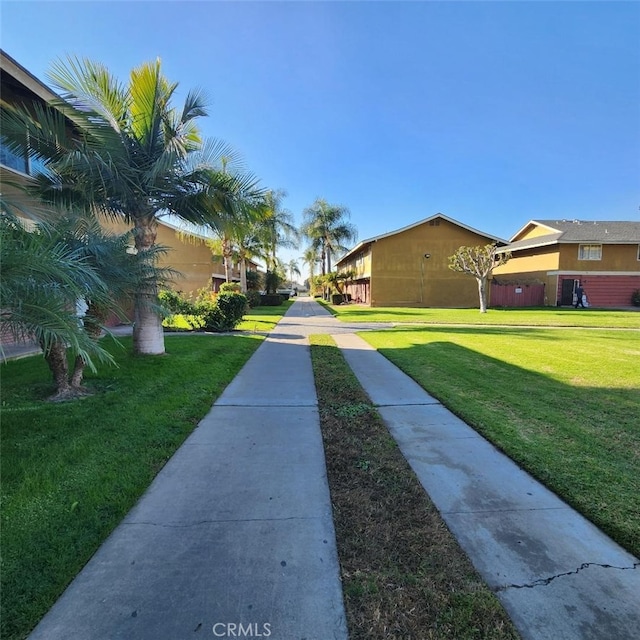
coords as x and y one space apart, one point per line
639 252
9 159
590 252
29 165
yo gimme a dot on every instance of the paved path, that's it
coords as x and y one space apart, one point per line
557 575
237 529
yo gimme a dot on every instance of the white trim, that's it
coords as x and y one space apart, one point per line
537 223
586 272
582 251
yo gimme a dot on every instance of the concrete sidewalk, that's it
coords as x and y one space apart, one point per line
557 575
237 527
235 530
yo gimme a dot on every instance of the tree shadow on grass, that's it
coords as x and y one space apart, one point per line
580 441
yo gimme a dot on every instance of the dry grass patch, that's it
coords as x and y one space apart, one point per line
403 573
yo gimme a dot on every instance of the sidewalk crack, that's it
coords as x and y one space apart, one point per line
197 523
543 582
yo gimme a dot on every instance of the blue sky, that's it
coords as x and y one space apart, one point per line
492 113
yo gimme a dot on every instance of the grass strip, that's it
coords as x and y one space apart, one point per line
71 471
403 573
562 403
537 317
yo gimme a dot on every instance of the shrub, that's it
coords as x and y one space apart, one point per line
224 313
635 298
337 298
175 303
271 300
272 281
230 287
254 281
253 298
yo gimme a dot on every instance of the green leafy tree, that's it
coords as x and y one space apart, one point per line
479 262
327 228
125 151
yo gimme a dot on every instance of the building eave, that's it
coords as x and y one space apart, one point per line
370 241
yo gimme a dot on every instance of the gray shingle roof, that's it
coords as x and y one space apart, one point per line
580 231
605 231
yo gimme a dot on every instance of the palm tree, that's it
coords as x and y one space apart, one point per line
43 277
130 155
292 267
121 270
248 246
277 228
310 258
325 226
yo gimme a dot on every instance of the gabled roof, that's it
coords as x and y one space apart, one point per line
370 241
25 78
578 231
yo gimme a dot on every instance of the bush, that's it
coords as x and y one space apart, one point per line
223 314
254 280
337 298
175 303
271 300
230 287
253 298
635 298
272 281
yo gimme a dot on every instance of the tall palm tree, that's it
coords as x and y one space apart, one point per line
292 267
232 218
278 230
310 258
130 154
326 227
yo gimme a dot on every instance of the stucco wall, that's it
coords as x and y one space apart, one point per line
191 258
530 261
359 263
533 231
615 257
401 276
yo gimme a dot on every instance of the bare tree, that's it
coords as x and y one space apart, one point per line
479 262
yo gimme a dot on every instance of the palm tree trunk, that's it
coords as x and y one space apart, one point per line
243 274
93 328
148 336
56 357
226 258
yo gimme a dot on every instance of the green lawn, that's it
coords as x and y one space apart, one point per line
547 316
71 471
564 403
403 573
264 318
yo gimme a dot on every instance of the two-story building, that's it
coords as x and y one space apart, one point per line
601 256
188 254
409 267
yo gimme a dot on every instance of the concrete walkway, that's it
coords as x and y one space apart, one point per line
235 530
237 527
556 574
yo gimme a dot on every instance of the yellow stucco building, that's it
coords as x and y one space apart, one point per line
409 267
